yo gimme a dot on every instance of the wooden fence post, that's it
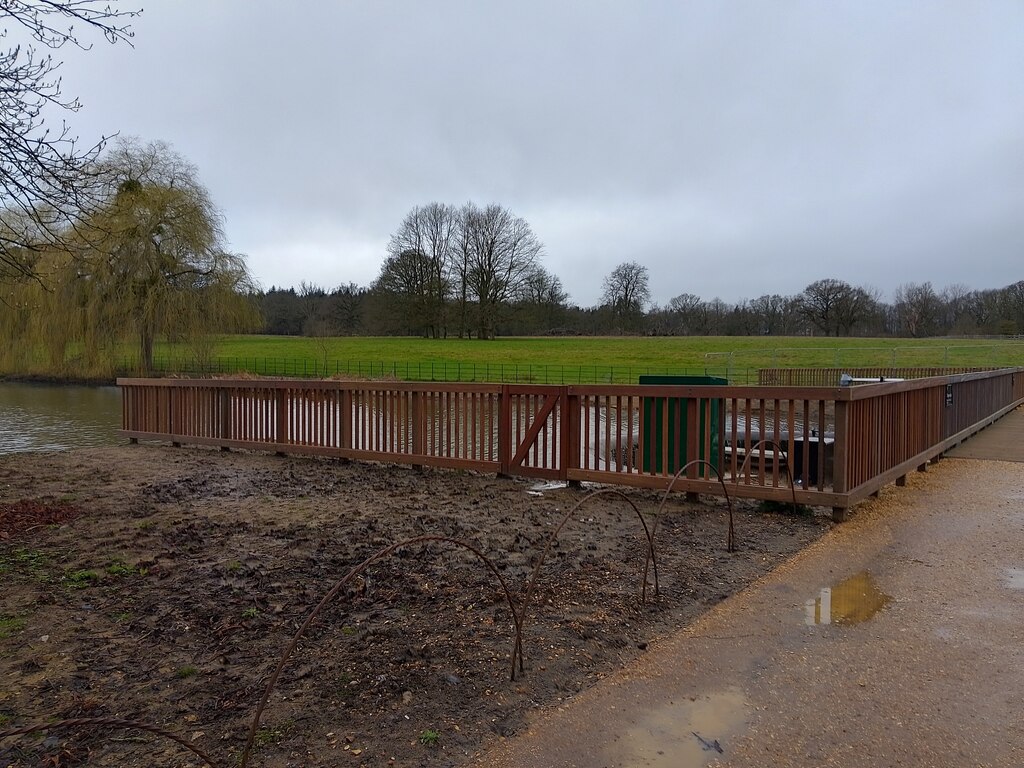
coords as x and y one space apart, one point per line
345 431
571 435
691 440
171 420
281 427
225 416
840 479
417 428
505 431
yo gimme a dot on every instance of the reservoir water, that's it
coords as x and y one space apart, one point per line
45 417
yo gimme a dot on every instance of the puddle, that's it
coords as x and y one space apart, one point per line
851 601
683 734
1015 578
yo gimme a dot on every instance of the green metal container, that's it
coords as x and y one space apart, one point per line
652 414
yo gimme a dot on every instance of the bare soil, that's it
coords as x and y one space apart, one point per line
163 584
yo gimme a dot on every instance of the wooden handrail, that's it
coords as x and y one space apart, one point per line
843 442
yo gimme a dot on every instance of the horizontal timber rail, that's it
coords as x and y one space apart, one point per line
829 377
823 446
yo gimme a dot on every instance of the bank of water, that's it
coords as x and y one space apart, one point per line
48 417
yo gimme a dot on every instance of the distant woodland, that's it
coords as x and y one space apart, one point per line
823 308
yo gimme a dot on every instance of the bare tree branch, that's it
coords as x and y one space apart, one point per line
49 185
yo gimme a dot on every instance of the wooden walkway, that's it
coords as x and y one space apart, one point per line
1002 441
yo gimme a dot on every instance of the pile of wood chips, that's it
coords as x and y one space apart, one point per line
28 514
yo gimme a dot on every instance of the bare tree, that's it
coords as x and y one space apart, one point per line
954 300
429 232
501 253
983 307
773 314
541 287
461 263
545 298
627 293
819 304
404 282
313 309
918 310
49 183
687 315
835 307
1013 307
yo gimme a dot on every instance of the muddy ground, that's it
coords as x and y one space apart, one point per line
163 584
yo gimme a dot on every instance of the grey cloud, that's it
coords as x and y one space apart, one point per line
734 148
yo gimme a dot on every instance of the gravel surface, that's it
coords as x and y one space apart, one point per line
934 678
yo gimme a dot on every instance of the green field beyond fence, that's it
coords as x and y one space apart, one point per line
549 360
583 360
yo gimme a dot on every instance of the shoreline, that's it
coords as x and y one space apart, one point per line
57 380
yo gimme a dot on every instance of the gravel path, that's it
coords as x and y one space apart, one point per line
934 678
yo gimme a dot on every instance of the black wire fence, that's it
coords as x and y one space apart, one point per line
440 371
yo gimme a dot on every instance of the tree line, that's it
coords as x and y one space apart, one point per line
428 286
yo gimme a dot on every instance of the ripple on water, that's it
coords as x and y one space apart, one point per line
38 417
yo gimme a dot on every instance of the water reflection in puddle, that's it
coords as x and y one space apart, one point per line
851 601
682 734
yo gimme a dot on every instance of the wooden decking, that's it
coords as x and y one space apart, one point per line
1003 441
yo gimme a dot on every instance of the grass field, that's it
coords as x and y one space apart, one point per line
580 359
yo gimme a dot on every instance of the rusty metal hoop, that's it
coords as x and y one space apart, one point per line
730 542
649 557
785 464
333 592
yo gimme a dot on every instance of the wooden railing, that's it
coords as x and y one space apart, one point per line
829 377
825 446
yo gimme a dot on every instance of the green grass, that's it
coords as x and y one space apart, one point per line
186 672
586 359
429 737
10 625
567 360
121 568
81 579
22 561
268 734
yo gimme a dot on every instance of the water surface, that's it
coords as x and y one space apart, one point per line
852 601
53 417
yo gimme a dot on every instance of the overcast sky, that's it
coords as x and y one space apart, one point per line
734 148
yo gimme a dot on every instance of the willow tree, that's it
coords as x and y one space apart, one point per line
156 262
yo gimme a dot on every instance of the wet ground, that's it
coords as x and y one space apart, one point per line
897 639
162 584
